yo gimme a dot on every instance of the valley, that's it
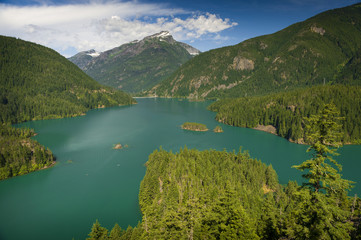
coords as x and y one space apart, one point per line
259 140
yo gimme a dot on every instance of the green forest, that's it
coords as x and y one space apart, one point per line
227 195
286 111
38 83
193 126
19 154
324 48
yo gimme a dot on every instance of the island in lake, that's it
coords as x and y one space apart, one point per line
192 126
218 129
120 146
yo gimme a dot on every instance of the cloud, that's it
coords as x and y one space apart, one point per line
104 25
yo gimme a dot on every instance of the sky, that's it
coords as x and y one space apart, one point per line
70 26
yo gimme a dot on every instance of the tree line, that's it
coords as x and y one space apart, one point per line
286 111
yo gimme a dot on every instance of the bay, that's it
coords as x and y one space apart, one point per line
91 180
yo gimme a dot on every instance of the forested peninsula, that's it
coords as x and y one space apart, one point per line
220 195
38 83
286 111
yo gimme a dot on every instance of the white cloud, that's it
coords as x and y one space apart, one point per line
104 25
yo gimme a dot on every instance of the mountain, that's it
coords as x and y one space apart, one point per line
37 83
316 51
82 59
137 65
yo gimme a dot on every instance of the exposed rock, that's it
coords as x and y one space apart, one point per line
266 189
277 59
218 129
202 80
268 128
175 81
263 46
291 107
241 63
318 30
118 146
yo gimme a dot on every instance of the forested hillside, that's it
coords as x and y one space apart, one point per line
38 83
138 65
322 49
220 195
286 111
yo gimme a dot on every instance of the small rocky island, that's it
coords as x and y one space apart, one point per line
192 126
218 129
119 146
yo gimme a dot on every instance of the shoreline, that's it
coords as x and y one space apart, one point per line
37 170
195 130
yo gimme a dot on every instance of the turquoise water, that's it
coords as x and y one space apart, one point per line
93 181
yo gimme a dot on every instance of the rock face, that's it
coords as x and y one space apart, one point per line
268 128
138 65
318 30
241 63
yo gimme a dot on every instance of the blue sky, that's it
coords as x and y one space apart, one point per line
70 26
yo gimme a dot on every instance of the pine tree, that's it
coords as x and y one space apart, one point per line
228 220
326 213
98 232
116 232
269 218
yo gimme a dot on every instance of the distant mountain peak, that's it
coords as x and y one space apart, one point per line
137 65
92 53
162 34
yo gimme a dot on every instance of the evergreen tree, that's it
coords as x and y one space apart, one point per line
325 214
116 232
228 220
98 232
269 228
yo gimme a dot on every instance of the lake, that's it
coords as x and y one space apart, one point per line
91 180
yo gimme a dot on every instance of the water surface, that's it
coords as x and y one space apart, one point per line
93 181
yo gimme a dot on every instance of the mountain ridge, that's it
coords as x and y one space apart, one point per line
137 65
304 54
